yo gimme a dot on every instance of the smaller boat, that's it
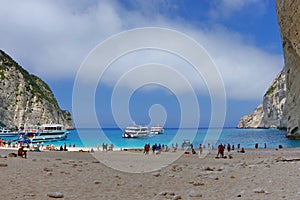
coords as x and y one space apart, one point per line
157 130
186 143
135 131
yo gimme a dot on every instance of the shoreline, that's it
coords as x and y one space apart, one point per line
88 149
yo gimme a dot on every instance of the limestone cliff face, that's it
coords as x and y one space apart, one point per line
253 120
26 99
274 104
288 14
272 112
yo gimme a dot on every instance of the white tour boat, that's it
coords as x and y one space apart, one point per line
46 132
135 131
157 130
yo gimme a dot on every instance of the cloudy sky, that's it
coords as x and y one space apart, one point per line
52 39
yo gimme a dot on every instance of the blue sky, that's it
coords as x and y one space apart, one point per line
52 39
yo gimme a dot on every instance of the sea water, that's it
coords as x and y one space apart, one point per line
247 138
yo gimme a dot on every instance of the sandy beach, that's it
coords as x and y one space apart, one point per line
256 174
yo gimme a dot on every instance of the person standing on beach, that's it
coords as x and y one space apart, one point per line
200 149
222 150
219 150
65 147
153 148
147 148
9 143
228 147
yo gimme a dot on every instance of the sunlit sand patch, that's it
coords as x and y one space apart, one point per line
135 161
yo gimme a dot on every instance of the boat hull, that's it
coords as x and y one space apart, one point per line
156 132
45 137
125 135
9 134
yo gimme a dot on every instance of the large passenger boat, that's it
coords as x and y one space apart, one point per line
45 132
135 131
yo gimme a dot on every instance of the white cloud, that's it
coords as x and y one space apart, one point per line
52 38
227 8
247 71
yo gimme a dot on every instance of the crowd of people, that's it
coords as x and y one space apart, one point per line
8 143
105 147
229 147
158 148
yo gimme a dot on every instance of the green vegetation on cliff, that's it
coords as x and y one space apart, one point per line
26 99
39 88
270 90
273 87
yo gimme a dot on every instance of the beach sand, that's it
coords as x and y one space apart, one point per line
256 174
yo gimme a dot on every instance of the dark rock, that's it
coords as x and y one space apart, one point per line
11 155
3 165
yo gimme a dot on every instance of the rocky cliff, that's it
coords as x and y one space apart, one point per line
272 112
288 14
253 120
26 99
281 104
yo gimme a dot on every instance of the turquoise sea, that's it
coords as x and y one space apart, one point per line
246 137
